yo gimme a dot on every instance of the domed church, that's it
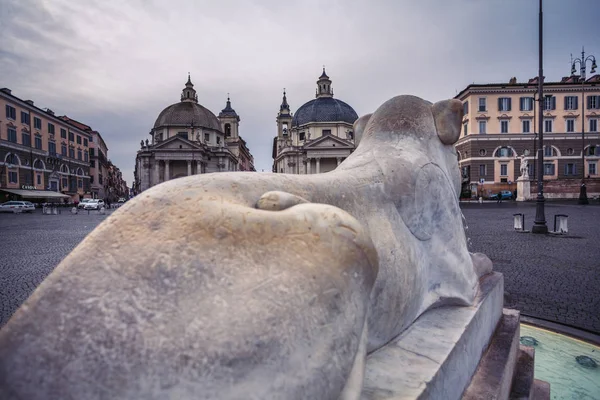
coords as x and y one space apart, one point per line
189 139
318 137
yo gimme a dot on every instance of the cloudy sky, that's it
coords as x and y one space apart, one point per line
115 65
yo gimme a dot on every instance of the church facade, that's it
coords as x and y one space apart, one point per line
318 137
188 139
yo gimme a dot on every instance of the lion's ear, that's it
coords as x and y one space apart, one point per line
448 115
359 128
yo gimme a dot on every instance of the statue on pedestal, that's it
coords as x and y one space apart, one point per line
524 168
266 286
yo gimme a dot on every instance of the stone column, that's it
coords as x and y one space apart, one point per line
308 165
156 172
318 165
198 167
167 172
189 167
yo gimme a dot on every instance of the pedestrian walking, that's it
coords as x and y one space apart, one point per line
500 197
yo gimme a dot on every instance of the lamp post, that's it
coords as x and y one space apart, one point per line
582 63
539 224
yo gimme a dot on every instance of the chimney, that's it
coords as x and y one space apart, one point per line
6 90
49 111
30 102
513 81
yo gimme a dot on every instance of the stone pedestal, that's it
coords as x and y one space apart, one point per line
454 353
523 189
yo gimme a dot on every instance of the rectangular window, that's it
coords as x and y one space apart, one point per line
71 152
503 169
50 128
11 112
530 168
218 139
37 123
548 126
26 139
591 151
504 126
548 168
570 125
12 135
548 151
100 179
71 137
593 103
12 177
301 136
592 168
482 104
80 183
92 152
63 133
93 164
466 128
78 139
24 117
52 148
79 154
482 170
85 156
593 125
465 108
92 179
85 142
570 169
526 126
482 127
326 132
38 142
550 103
571 102
526 103
207 137
63 149
39 179
64 182
504 103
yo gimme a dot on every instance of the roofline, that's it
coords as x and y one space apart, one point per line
522 85
40 110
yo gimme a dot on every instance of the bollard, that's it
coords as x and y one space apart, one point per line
102 211
54 210
562 223
519 222
74 210
480 200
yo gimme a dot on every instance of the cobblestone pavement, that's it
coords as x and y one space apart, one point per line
31 245
556 278
553 278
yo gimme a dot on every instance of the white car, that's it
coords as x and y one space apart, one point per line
94 204
17 206
83 202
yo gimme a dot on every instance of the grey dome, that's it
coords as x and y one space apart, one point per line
324 109
186 113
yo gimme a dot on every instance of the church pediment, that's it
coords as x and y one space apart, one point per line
176 143
327 142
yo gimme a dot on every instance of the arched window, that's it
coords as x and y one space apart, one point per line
38 164
592 151
12 159
504 152
550 151
64 169
79 172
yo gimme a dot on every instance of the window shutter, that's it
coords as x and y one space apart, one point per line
499 104
574 169
553 103
589 102
576 99
566 102
509 104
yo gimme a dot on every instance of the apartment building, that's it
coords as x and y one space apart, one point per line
41 155
500 125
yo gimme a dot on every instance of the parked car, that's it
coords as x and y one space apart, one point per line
83 202
506 195
16 206
93 204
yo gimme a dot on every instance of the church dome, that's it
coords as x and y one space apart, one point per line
188 112
324 109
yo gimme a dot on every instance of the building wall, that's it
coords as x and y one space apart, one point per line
477 149
37 161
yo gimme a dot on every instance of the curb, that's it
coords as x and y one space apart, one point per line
567 330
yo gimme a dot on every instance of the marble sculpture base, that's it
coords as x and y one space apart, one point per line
457 352
523 189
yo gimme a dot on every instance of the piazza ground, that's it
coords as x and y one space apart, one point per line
547 277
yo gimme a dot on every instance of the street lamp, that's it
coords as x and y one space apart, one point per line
539 224
535 130
582 63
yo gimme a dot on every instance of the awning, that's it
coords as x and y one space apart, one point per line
37 194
